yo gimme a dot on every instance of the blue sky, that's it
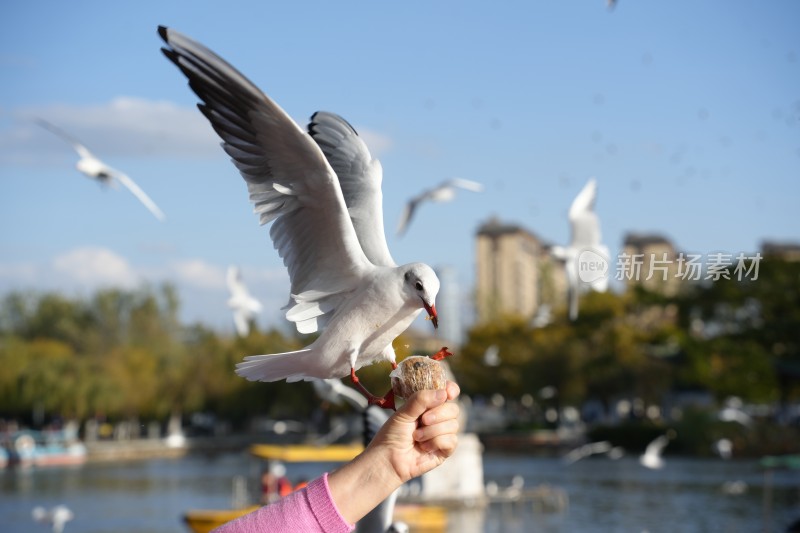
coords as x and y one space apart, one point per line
687 114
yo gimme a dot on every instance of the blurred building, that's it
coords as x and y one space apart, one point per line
785 251
650 261
515 273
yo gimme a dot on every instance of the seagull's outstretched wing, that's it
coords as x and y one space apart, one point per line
467 185
139 193
407 215
360 177
234 280
582 218
81 149
444 192
288 178
657 446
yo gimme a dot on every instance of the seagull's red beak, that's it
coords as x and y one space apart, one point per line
432 316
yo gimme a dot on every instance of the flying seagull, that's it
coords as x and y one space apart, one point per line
652 455
244 306
585 238
320 189
92 167
587 450
444 192
58 516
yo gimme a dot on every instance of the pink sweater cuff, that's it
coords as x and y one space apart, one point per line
324 508
311 509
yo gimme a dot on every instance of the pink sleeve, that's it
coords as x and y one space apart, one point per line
309 509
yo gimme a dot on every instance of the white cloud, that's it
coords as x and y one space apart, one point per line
198 273
92 267
125 126
201 285
377 143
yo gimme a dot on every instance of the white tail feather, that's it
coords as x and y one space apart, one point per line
290 366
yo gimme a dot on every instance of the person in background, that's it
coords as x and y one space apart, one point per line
274 483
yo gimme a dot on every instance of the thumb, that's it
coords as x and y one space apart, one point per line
419 402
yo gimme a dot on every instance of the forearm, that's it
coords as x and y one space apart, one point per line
360 485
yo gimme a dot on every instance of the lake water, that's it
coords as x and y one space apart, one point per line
604 495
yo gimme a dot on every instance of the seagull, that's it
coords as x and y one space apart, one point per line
585 229
320 189
723 447
586 450
652 455
543 317
58 516
244 306
444 192
491 357
336 392
92 167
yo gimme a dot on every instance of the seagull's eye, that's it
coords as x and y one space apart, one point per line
418 285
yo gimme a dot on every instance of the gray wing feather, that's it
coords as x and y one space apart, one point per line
289 180
360 177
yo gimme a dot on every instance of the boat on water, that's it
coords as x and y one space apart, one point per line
43 448
421 518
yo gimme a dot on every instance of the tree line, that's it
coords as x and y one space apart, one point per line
121 354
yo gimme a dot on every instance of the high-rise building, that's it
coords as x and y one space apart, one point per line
507 277
651 261
785 251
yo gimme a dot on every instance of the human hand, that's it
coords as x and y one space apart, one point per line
421 434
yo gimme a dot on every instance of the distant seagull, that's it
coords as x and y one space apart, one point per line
244 306
92 167
336 392
616 453
652 455
732 412
587 450
543 316
58 516
491 357
734 488
585 229
444 192
723 448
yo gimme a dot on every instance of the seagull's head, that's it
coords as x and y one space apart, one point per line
422 285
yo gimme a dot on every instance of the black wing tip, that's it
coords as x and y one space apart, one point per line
163 31
334 115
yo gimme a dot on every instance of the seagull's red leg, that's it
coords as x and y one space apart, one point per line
441 354
386 401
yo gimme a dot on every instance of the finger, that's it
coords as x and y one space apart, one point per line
443 445
443 412
453 390
425 433
419 402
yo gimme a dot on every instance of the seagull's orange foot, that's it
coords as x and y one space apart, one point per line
386 401
441 354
